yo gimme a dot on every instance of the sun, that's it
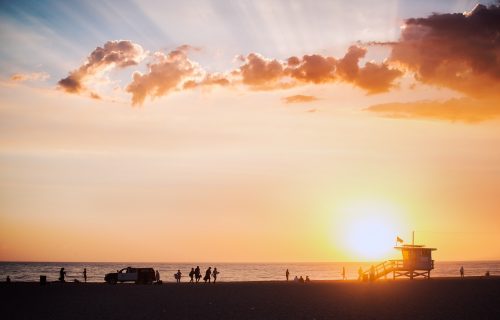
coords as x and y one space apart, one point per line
368 230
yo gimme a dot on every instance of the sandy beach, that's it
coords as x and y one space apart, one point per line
471 298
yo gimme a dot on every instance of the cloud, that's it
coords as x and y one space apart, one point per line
465 110
166 74
299 98
34 76
262 73
114 54
312 68
372 77
457 51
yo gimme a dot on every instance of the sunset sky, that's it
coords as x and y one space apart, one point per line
245 131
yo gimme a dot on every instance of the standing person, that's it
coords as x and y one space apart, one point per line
343 273
191 275
85 274
461 271
157 276
207 274
8 279
62 274
214 274
360 274
372 273
178 276
287 274
197 273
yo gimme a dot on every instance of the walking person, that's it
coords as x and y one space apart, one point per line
214 274
62 274
287 274
85 275
197 274
157 276
207 275
191 275
343 273
462 272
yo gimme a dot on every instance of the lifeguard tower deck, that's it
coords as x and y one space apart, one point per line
417 261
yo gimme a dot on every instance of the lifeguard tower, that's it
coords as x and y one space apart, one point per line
417 261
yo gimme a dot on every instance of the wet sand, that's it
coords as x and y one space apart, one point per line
471 298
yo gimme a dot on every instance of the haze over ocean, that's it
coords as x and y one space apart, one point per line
31 271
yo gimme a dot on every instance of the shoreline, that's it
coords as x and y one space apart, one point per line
389 279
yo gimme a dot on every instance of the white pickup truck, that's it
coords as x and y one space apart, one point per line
137 275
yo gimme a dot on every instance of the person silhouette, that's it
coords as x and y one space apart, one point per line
62 274
157 276
360 273
462 272
178 276
296 279
197 274
372 273
7 279
85 274
207 274
343 273
191 275
307 279
301 280
287 274
214 274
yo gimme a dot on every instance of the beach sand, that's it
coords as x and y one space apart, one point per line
470 298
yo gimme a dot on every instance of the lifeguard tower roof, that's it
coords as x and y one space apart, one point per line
413 247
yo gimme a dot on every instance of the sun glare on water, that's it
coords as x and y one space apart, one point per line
369 230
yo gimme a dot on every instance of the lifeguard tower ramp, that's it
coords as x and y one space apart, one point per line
417 262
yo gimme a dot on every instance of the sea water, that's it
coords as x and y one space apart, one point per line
31 271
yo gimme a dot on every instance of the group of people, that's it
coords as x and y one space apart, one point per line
62 275
195 275
297 279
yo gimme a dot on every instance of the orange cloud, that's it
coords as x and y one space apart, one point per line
265 74
166 74
261 73
457 51
464 109
299 98
34 76
114 54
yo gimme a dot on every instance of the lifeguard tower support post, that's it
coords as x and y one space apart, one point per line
417 261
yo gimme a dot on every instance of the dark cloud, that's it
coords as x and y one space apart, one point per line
114 54
457 51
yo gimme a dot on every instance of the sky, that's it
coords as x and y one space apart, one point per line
248 131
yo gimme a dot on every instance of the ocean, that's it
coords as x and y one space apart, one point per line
31 271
